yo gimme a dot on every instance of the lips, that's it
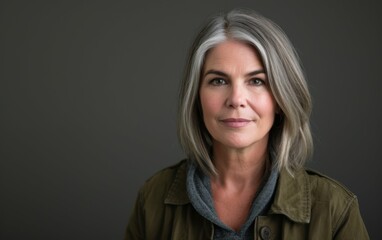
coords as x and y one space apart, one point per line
235 122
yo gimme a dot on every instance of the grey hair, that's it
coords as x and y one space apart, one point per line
290 142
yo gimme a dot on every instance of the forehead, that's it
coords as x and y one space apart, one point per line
233 54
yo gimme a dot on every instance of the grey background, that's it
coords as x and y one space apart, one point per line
88 94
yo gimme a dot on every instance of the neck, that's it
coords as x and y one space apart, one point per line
239 168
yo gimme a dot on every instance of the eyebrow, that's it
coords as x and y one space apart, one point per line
223 74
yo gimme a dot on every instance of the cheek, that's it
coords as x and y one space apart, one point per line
271 107
265 105
210 105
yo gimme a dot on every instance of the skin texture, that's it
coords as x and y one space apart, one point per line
238 111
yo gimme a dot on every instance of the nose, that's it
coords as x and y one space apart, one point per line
236 97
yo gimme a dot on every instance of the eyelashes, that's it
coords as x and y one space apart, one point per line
257 81
221 81
217 82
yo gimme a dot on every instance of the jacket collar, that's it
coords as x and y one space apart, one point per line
292 196
177 194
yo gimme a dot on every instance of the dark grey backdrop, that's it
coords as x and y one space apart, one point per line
88 94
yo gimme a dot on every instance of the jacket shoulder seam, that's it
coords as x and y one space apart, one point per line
164 170
347 192
343 214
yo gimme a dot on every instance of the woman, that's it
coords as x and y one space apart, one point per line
244 125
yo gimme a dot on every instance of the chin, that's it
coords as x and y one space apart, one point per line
236 144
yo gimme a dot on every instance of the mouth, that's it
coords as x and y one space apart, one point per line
235 122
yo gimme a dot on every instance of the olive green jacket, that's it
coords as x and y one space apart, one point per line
306 206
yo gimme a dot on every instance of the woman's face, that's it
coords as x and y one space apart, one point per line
237 104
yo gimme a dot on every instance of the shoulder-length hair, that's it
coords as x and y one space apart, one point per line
290 142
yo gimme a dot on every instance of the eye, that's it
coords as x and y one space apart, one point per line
257 82
217 81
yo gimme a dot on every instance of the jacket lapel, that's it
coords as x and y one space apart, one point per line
292 196
177 194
